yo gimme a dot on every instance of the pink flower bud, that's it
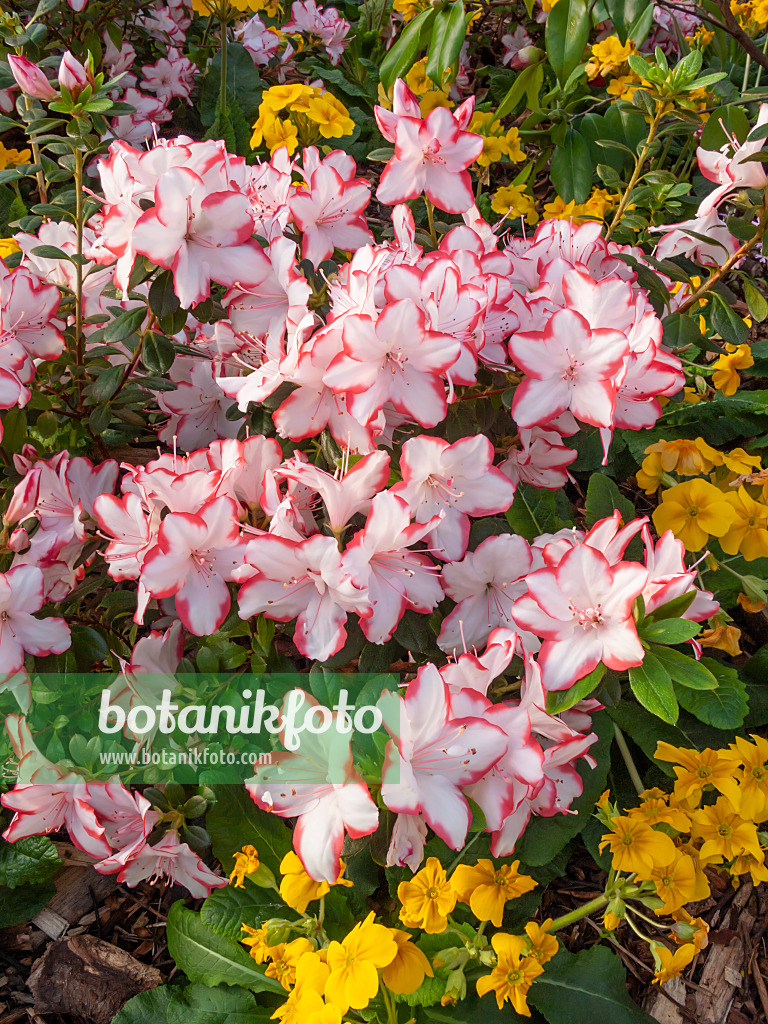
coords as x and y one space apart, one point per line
31 79
72 75
19 540
525 57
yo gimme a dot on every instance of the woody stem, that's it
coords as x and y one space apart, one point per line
431 220
640 162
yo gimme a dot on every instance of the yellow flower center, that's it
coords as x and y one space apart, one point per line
693 512
724 830
433 893
704 772
514 977
759 773
667 881
500 880
627 840
752 521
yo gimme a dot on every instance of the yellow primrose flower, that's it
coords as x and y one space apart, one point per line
331 116
558 209
748 533
654 810
624 87
10 245
695 769
671 964
285 957
513 201
354 964
513 974
607 55
690 929
755 868
753 607
306 996
650 476
685 457
693 511
409 968
760 13
753 777
427 899
636 847
611 921
678 883
486 888
543 945
722 638
599 202
13 157
246 863
261 951
417 79
297 889
725 833
738 461
409 8
434 98
278 97
725 378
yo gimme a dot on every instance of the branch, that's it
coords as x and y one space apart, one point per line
729 24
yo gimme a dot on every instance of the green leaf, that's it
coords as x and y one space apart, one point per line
652 685
562 700
681 330
49 252
162 298
147 1007
727 322
199 1004
685 670
124 326
590 985
724 708
212 959
631 18
527 83
227 910
731 119
235 821
14 429
534 511
106 384
566 36
571 167
448 34
756 302
157 353
27 860
603 498
669 631
401 57
19 905
544 837
244 85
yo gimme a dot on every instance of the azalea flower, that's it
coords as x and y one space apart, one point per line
329 210
584 607
21 596
431 155
175 861
730 168
453 481
201 234
306 581
415 778
325 793
194 558
393 359
43 807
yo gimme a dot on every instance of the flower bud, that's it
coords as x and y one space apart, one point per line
526 56
72 75
31 79
19 540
